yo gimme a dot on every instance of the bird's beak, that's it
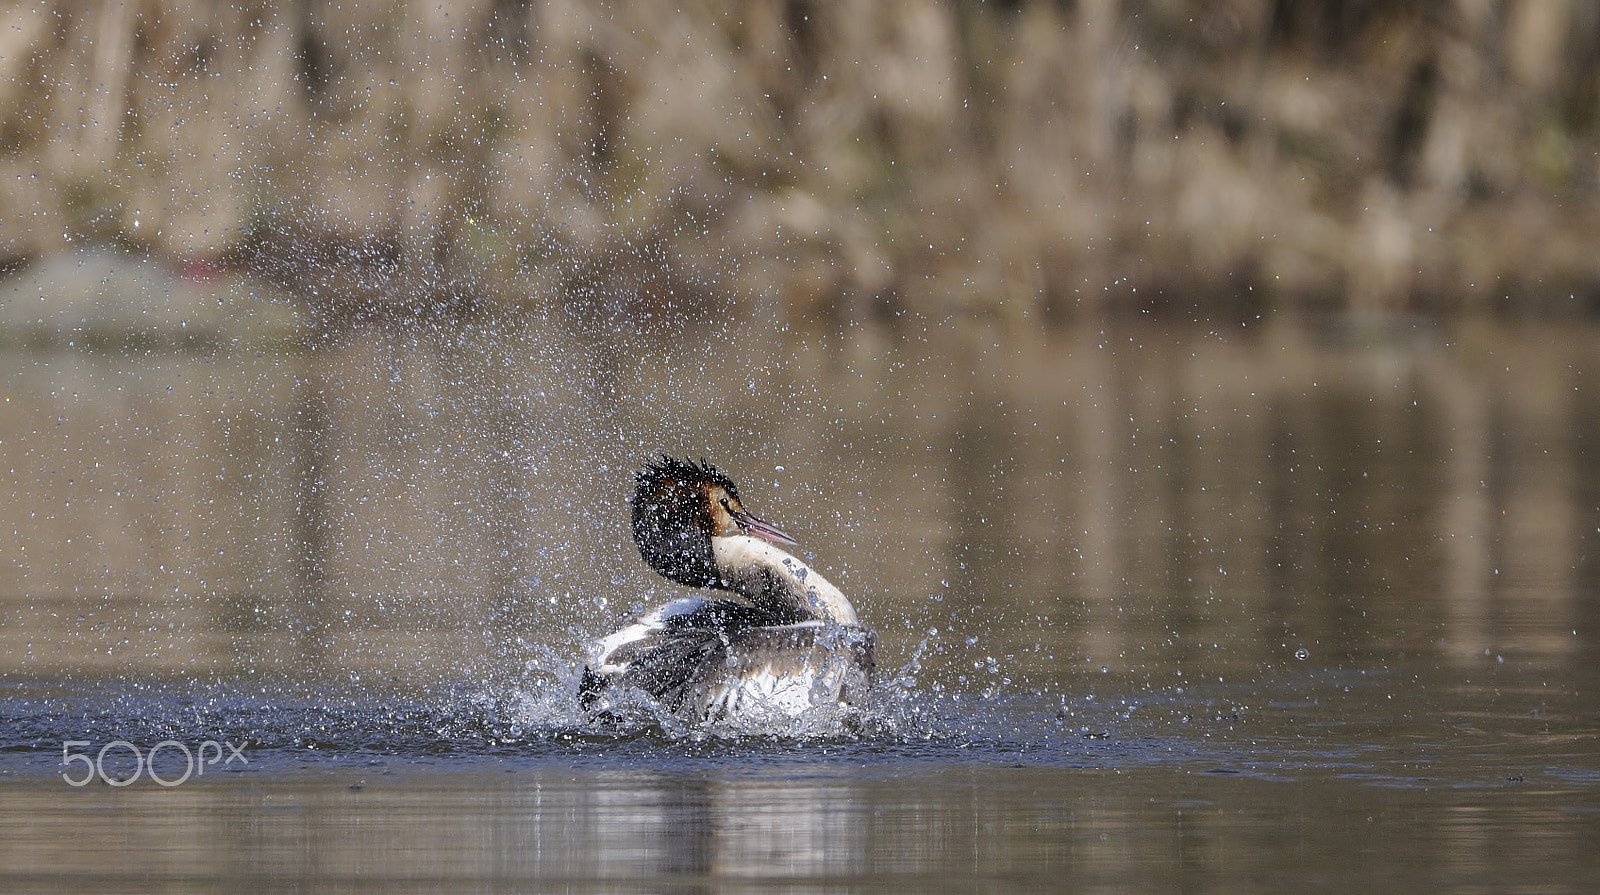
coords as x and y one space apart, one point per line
750 525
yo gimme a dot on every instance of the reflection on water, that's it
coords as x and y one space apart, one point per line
428 503
1170 606
906 825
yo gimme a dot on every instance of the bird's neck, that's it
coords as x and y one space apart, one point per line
759 570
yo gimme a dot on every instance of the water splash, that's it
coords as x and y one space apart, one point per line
544 703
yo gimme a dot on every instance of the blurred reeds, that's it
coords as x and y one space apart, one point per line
840 160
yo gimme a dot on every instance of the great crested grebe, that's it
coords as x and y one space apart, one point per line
774 638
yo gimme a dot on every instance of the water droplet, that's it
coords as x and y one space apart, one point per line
1302 654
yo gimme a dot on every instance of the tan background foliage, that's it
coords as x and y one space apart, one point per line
846 159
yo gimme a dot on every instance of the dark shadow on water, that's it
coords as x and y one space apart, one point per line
1296 728
1289 777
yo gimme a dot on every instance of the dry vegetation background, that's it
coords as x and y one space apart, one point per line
844 159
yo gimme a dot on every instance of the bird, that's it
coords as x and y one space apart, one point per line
768 637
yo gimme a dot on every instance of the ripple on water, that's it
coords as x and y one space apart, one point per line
289 727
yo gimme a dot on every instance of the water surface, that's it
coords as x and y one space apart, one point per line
1165 606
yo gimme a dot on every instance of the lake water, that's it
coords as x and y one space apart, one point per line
1162 606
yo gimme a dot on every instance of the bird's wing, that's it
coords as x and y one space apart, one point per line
670 651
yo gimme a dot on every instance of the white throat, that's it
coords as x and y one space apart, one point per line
745 561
